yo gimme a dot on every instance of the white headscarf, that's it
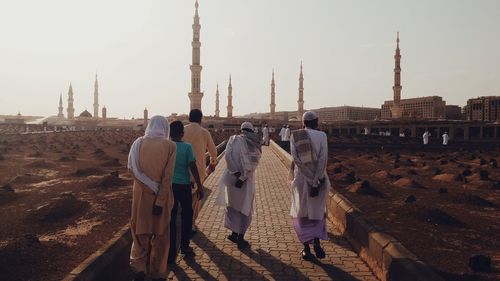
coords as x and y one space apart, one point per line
158 127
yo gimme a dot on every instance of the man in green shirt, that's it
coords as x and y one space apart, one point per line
185 163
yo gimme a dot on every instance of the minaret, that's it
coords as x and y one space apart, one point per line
145 118
104 113
300 102
96 98
71 109
273 94
217 111
60 114
196 95
230 99
396 108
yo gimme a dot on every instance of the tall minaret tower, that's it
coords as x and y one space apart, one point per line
300 102
60 114
273 101
230 99
196 95
145 118
71 109
396 109
96 98
217 111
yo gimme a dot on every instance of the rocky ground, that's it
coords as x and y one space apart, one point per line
443 205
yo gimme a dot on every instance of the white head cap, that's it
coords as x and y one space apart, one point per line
247 125
309 116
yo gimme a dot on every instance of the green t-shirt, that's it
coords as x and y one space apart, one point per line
184 155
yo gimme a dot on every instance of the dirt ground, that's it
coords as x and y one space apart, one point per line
444 206
62 196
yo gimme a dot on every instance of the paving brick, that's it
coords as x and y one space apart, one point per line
275 249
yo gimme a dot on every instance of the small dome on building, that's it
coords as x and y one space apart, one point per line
85 113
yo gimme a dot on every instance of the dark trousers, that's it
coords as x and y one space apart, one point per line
182 195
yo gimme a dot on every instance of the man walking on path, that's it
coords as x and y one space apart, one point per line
151 160
202 141
185 163
310 185
446 138
282 133
237 185
265 135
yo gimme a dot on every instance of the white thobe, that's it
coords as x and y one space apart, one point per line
446 138
282 134
240 199
303 205
287 134
265 135
425 137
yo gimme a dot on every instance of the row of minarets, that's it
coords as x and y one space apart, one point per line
96 98
230 99
273 95
217 111
196 95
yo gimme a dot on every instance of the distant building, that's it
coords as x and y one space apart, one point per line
483 108
432 107
347 113
453 112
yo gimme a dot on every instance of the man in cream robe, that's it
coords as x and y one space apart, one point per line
201 141
265 135
237 185
310 185
425 137
282 133
151 161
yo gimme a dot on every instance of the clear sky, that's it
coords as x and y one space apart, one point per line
142 51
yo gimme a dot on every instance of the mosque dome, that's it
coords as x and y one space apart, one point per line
85 113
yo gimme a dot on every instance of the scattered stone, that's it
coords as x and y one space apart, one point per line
445 177
496 185
484 175
364 187
467 172
85 172
337 170
436 171
480 263
67 158
493 163
461 178
110 181
112 162
412 172
99 151
410 199
115 173
406 182
424 164
443 190
472 199
444 162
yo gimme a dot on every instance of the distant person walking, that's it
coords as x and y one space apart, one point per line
237 185
446 138
288 133
265 135
310 185
185 163
202 141
426 136
282 133
151 161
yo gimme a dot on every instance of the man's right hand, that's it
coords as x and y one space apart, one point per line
314 191
157 210
239 183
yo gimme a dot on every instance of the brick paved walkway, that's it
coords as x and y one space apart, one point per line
275 250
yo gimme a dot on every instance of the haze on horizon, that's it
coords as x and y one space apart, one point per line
142 51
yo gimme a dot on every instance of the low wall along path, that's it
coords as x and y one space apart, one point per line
275 250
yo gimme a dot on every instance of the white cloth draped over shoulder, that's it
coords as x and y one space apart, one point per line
309 172
242 155
158 127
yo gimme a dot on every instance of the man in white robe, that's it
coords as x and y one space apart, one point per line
282 133
265 135
288 133
446 138
425 137
237 185
310 185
